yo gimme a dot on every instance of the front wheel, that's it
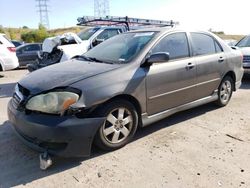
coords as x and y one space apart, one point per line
225 91
119 126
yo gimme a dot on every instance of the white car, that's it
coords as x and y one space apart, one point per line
8 58
244 46
72 44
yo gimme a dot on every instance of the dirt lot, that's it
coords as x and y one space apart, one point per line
189 149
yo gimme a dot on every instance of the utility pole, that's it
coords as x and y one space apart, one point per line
43 12
101 8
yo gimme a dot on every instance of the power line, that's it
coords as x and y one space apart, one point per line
43 12
101 8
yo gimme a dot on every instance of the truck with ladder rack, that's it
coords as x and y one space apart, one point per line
64 47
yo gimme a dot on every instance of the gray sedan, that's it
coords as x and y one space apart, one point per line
128 81
28 53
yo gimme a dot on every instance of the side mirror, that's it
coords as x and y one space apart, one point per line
97 41
157 58
234 47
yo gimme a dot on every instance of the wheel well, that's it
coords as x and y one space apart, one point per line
232 75
132 100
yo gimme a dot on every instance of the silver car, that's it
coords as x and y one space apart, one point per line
130 80
244 45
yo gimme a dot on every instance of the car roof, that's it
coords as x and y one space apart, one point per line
27 44
169 29
107 27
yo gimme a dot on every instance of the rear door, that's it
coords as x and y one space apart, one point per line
210 60
171 84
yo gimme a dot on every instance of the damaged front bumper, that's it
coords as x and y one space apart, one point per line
66 136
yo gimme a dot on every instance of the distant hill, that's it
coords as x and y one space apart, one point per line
15 33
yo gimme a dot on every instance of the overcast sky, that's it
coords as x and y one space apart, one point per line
230 16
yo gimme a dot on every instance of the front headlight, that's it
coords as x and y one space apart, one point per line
53 102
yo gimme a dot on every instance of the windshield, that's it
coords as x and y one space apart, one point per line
86 34
121 48
245 42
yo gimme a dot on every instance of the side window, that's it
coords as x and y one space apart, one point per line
203 44
31 48
175 44
35 47
108 33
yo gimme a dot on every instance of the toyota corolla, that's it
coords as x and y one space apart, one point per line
130 80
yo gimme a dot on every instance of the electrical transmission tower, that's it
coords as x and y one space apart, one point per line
101 8
43 12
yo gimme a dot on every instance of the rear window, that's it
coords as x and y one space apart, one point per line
5 40
32 47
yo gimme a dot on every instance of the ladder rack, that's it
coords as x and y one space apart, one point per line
128 22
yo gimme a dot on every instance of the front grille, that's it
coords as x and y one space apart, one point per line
19 97
246 59
16 100
23 90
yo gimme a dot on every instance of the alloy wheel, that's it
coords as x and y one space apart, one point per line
117 125
225 92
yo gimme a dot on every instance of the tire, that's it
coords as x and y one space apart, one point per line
117 130
225 91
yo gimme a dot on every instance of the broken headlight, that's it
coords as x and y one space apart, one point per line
53 102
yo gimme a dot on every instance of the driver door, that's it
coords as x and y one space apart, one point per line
171 84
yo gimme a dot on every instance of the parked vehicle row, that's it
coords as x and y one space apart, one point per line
131 80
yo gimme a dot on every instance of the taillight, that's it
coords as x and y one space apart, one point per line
12 49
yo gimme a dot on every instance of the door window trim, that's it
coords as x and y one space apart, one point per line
215 42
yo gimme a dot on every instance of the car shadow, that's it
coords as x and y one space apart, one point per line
20 165
6 90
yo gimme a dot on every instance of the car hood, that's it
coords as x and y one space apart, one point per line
63 74
245 50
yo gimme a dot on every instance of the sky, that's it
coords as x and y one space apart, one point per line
230 16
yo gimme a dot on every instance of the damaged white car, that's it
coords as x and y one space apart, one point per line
64 47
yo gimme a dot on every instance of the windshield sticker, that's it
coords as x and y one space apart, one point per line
144 34
122 60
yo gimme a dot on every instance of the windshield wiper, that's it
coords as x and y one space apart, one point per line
92 59
98 60
82 57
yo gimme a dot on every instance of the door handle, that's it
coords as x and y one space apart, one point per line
221 59
190 66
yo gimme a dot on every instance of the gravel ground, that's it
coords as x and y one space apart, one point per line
203 147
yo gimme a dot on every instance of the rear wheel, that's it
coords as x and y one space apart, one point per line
225 91
119 126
